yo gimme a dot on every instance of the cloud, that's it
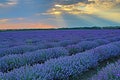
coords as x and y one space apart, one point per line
8 3
82 6
4 20
20 18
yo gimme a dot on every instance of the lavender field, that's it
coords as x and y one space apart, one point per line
60 55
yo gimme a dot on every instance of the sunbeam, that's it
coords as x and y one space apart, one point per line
60 22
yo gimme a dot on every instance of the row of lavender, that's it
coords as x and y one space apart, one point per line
10 62
32 42
70 46
16 38
28 48
110 72
64 67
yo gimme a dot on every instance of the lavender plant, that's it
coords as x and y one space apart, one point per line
14 43
85 45
10 62
17 50
110 72
63 67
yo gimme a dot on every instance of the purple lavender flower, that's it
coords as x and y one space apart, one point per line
110 72
64 67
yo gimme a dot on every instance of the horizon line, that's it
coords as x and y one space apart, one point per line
93 27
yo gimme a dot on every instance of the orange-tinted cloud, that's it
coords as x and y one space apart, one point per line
4 20
25 26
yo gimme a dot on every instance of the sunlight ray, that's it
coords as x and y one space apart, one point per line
60 22
90 19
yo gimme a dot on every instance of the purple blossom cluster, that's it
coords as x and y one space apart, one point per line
67 42
14 61
114 38
86 45
110 72
28 48
48 54
64 67
102 41
106 51
39 36
81 46
62 43
1 74
10 62
17 50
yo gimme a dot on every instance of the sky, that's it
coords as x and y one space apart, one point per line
20 14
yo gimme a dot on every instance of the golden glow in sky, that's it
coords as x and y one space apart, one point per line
91 7
101 8
58 13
